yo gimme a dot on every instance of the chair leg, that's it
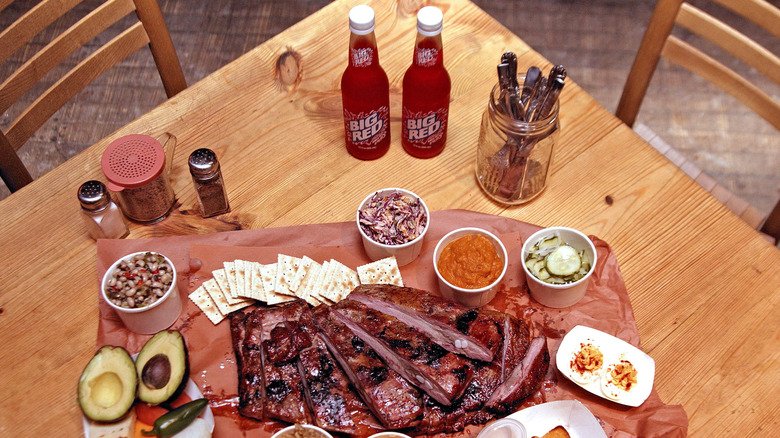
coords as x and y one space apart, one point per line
772 223
12 170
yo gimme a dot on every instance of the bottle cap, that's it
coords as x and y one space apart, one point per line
93 196
132 161
361 20
203 163
429 21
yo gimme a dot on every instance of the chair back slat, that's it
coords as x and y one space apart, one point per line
32 23
122 46
698 62
760 12
730 40
60 48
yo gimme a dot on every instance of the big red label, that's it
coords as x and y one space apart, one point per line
367 129
362 57
424 129
425 57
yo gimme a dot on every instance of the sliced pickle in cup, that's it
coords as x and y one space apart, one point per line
564 261
553 261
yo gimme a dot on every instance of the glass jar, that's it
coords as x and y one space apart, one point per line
514 156
135 168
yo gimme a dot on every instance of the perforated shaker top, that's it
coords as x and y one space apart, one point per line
132 161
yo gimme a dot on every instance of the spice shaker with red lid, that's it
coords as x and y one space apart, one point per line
135 168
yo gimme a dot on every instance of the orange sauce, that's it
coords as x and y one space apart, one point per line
470 262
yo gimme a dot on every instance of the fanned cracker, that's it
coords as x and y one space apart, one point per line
384 271
338 286
203 300
347 281
216 294
268 274
256 282
230 272
224 284
323 279
303 268
239 280
307 284
285 273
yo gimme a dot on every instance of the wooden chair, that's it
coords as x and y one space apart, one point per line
659 41
149 29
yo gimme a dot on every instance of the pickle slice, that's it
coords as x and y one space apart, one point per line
564 261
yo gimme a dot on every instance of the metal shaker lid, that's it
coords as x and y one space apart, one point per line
132 161
203 163
93 196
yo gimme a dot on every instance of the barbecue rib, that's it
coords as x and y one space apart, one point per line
395 356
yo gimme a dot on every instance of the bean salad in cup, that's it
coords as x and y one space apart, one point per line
139 281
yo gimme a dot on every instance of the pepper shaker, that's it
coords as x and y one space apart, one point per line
209 185
103 218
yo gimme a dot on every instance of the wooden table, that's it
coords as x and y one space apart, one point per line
704 286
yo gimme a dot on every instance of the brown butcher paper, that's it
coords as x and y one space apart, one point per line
605 307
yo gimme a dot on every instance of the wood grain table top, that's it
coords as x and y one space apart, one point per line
704 286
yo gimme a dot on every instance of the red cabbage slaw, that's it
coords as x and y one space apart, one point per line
393 219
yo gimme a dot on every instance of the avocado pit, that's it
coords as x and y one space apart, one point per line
157 372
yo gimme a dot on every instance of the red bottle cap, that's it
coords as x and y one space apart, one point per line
132 161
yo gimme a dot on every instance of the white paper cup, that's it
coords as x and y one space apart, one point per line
404 253
504 428
309 427
389 434
559 295
150 319
469 297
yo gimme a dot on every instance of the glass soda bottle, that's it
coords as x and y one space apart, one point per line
426 90
365 90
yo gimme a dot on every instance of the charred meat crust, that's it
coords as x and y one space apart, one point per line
390 397
434 316
439 373
350 367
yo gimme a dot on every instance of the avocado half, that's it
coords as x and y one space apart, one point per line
107 386
162 367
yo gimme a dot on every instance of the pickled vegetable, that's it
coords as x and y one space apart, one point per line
553 261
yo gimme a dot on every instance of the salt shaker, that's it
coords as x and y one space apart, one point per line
103 218
209 185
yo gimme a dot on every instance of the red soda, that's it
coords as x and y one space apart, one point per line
365 90
426 90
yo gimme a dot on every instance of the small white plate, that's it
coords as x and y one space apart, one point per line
191 390
614 350
571 414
